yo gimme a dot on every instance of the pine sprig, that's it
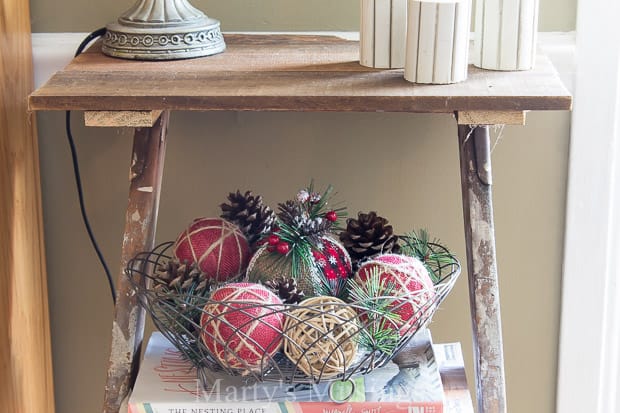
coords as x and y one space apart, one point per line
309 213
302 226
337 287
433 255
300 247
374 297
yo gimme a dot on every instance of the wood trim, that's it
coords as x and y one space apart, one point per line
122 118
25 347
487 117
590 317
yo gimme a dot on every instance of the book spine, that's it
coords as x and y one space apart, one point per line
288 407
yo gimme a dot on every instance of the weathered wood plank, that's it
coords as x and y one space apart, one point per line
140 222
122 118
26 383
482 269
490 117
299 73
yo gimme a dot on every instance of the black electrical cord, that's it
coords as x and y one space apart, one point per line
76 170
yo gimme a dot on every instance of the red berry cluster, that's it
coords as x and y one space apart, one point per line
274 243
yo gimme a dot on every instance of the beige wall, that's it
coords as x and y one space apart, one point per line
266 15
404 166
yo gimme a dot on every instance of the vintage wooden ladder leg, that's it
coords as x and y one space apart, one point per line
146 169
476 180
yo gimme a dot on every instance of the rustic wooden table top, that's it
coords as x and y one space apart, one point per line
287 73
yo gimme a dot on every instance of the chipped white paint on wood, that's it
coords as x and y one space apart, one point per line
383 28
140 223
437 41
505 34
482 269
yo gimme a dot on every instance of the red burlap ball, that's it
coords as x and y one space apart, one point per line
410 282
242 326
218 246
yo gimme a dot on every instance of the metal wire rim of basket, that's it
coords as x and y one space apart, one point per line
177 316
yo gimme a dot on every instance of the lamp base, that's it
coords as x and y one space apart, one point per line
200 38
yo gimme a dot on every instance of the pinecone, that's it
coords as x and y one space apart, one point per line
367 236
250 214
286 289
294 215
180 277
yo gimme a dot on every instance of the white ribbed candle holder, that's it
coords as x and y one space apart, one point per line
505 34
383 29
437 41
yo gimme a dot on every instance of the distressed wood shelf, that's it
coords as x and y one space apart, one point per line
299 73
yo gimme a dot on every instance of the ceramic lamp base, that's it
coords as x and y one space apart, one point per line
163 30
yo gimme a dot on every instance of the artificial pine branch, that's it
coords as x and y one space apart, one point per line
433 255
307 214
335 288
374 297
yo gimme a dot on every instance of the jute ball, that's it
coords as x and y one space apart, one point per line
320 337
242 326
412 288
326 260
218 247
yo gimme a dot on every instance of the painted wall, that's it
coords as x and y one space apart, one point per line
264 15
404 166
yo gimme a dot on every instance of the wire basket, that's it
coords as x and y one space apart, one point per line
322 338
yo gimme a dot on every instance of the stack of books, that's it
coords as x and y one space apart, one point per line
423 378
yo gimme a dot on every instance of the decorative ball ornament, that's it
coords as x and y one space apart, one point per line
241 326
327 261
332 259
320 337
218 246
268 264
407 280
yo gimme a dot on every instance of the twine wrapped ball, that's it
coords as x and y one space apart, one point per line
320 337
407 280
327 260
241 326
218 246
266 265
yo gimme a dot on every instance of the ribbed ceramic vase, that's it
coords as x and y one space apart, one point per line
383 28
437 41
505 34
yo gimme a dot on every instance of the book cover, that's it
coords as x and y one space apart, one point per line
167 383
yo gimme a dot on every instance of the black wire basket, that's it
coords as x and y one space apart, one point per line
321 339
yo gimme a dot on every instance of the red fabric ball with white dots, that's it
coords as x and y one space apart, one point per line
242 326
332 259
218 246
411 285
